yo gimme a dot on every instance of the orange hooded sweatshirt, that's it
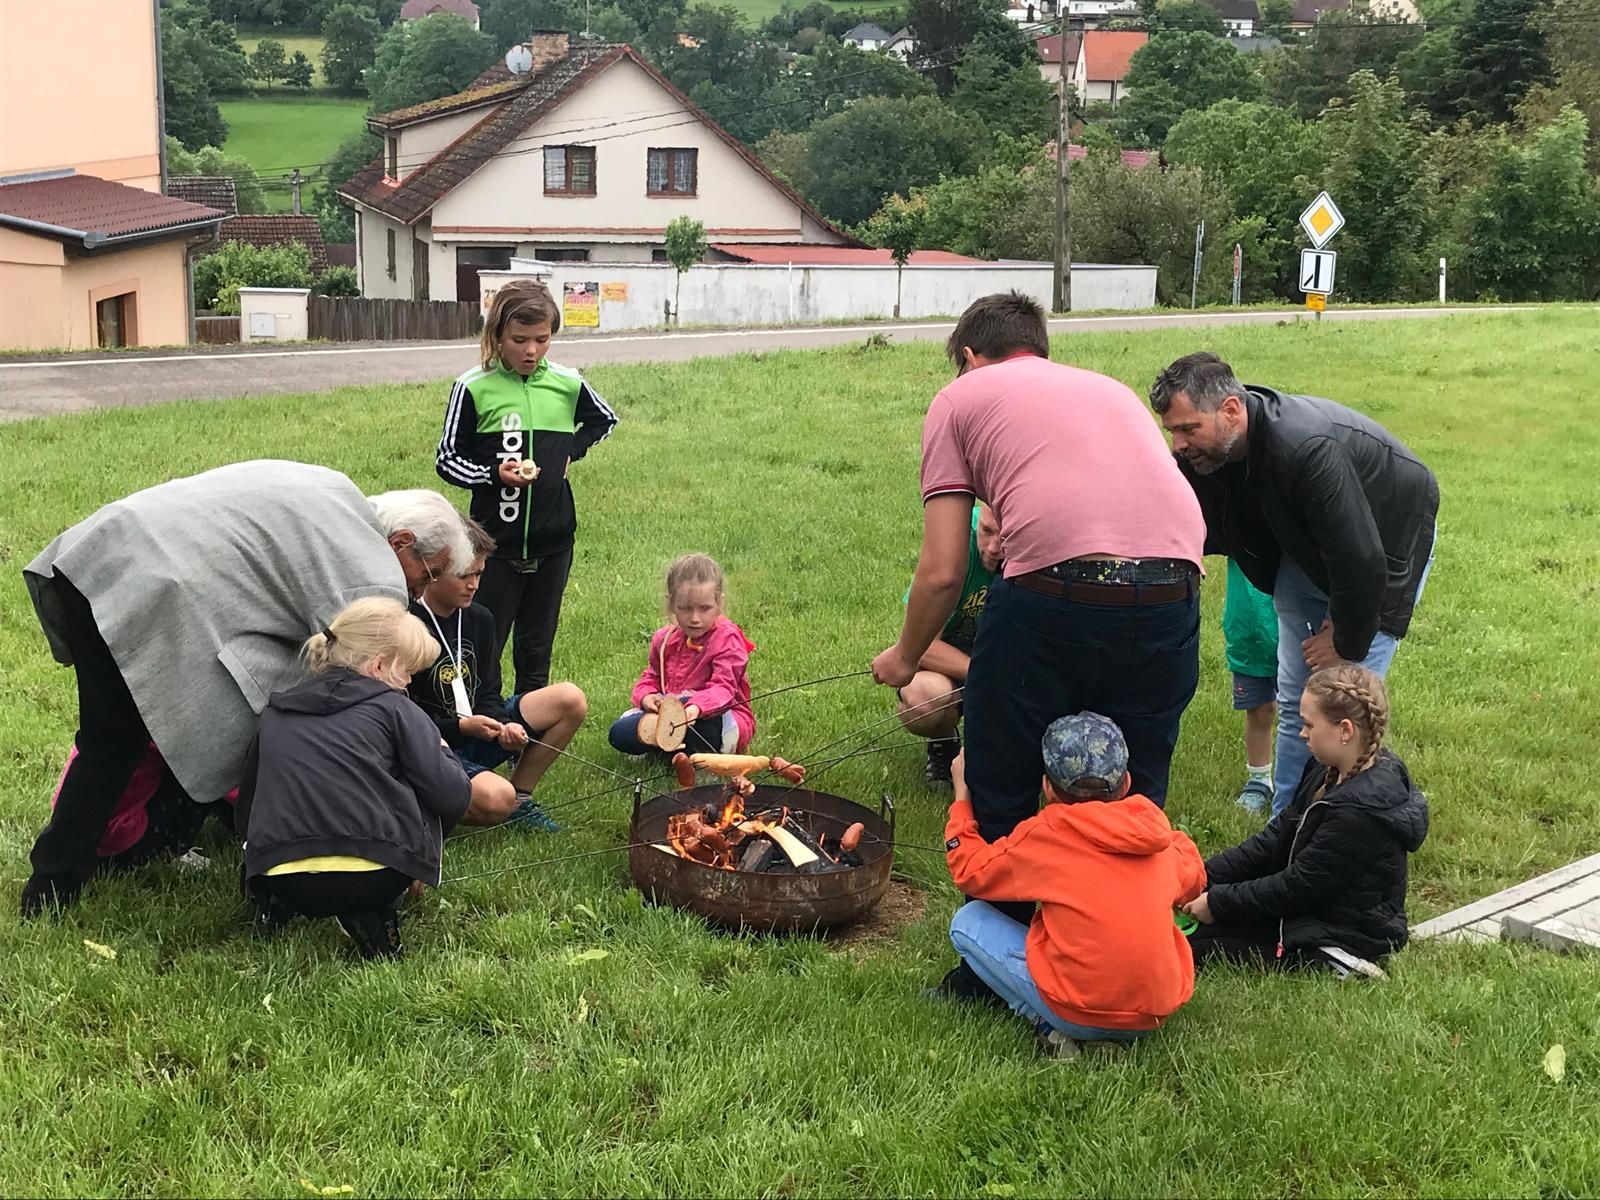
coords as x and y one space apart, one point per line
1102 949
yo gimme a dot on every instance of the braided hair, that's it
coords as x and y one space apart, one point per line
1351 693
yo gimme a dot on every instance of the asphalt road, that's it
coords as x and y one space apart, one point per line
72 383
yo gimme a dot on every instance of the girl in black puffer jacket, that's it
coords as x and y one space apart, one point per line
1325 883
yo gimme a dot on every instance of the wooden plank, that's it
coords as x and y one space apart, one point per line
1553 933
1504 901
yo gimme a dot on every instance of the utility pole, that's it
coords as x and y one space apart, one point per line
1061 297
295 180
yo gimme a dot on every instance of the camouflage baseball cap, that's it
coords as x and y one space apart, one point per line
1085 754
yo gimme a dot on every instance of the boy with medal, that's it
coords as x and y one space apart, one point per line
461 693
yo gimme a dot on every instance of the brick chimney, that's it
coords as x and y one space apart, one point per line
548 46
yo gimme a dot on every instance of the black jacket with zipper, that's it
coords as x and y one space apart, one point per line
347 765
1338 493
1333 870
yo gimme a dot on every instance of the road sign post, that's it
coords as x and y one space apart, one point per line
1321 220
1238 272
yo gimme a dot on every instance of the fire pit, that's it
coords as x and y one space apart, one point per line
835 888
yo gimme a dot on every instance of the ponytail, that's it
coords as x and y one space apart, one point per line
367 629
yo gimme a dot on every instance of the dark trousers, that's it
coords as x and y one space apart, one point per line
1040 657
1254 943
111 741
332 893
703 737
530 603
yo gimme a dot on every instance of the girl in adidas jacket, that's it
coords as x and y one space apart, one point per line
512 429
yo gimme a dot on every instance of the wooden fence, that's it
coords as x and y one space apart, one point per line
216 331
341 319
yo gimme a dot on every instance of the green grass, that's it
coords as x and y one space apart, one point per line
203 1061
758 11
275 133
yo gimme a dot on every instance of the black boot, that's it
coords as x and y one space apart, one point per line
48 892
376 935
941 754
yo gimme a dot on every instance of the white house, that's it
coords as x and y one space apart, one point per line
1239 17
901 44
1103 59
1090 13
585 158
868 36
1051 48
415 10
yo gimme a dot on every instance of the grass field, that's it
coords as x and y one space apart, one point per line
309 44
497 1061
278 132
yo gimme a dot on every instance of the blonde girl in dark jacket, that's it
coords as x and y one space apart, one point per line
348 790
1324 884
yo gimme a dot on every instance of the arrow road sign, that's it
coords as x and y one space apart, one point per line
1316 271
1322 220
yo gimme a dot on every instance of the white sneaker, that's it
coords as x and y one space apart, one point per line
192 860
1346 965
1057 1045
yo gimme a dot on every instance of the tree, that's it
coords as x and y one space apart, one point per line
219 276
789 156
898 227
946 31
201 59
422 60
1500 48
336 218
269 61
1275 17
1307 75
686 247
1175 72
1270 164
338 281
1529 227
880 146
350 41
1575 56
298 73
1375 168
1010 100
209 160
1190 16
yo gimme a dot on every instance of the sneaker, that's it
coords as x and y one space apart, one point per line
376 935
528 815
1351 966
961 982
941 754
192 860
1055 1044
1255 796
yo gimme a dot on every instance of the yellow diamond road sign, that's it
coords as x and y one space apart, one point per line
1322 220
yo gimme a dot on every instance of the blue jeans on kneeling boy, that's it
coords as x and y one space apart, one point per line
996 948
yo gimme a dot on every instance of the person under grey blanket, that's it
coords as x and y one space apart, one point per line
182 607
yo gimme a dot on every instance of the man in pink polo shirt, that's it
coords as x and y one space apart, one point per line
1098 608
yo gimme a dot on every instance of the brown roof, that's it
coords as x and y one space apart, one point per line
213 191
471 98
530 98
1307 12
1049 48
97 210
411 10
341 254
279 229
1106 53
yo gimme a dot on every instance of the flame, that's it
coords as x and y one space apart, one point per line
732 812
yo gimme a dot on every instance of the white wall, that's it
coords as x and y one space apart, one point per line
743 294
273 314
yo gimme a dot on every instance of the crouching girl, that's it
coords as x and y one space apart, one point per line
348 790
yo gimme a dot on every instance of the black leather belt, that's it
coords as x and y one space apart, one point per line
1127 594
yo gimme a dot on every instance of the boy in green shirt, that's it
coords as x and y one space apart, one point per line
1250 632
930 705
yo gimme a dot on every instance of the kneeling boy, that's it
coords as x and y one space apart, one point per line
461 692
1102 959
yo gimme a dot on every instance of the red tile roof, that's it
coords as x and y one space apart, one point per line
811 254
411 10
98 210
530 99
1106 53
1130 158
279 229
213 191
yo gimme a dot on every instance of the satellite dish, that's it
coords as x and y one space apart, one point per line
519 60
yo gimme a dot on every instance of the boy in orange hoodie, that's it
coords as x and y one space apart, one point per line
1102 959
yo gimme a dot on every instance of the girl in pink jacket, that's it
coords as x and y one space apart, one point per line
699 658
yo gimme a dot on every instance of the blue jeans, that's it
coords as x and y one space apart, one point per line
995 947
1301 604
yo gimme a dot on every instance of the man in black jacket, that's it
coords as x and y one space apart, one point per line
1320 506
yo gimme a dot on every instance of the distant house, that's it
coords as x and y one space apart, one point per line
1239 17
1031 12
279 229
1103 61
1130 158
585 158
1308 12
1051 48
1090 13
867 36
415 10
92 254
213 191
901 44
